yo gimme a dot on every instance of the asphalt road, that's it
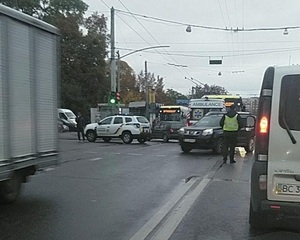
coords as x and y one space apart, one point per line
113 191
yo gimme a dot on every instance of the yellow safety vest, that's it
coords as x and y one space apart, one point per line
231 124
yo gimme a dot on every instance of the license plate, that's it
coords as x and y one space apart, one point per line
189 140
145 129
287 189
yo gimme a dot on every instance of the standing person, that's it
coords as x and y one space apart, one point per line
231 123
80 126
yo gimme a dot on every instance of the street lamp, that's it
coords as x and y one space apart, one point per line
146 80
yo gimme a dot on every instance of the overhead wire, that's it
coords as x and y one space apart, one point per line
210 27
153 39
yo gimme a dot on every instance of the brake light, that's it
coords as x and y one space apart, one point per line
263 125
262 182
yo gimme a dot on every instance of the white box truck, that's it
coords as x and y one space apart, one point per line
28 107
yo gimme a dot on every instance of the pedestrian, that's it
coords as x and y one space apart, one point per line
231 123
80 126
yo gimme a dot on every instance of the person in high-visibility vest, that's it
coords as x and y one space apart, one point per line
231 123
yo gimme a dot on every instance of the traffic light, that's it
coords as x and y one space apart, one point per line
112 99
118 97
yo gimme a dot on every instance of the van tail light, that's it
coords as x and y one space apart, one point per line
171 130
263 125
262 182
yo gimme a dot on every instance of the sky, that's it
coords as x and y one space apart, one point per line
247 35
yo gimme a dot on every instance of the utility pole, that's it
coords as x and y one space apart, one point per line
147 89
112 51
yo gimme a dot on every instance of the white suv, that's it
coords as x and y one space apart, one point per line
125 127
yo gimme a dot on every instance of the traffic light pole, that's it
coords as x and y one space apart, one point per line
112 51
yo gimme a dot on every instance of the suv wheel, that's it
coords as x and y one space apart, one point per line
250 146
186 149
127 137
106 139
91 136
219 146
142 140
165 138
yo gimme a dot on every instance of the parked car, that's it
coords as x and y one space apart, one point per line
125 127
61 126
68 118
166 130
207 133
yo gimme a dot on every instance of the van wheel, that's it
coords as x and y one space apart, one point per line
127 137
186 149
91 136
10 189
106 139
218 149
250 146
165 138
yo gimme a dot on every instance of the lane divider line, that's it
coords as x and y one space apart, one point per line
165 221
158 217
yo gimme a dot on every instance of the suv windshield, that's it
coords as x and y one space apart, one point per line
209 121
142 120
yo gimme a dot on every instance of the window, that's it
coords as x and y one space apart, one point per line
63 116
118 120
128 119
289 107
142 120
106 121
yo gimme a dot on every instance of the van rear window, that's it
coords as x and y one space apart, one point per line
290 102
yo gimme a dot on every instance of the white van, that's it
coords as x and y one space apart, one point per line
68 118
275 176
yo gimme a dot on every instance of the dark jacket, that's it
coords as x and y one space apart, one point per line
80 122
231 113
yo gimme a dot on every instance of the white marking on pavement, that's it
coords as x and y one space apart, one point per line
48 169
160 155
95 159
135 154
157 218
165 221
89 152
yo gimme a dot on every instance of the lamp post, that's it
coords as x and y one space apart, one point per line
146 80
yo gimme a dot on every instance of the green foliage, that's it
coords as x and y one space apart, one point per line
85 79
200 91
171 96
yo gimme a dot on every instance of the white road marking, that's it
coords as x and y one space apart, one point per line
49 169
165 221
134 154
160 155
161 214
95 159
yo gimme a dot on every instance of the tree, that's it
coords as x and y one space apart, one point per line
84 78
159 90
129 87
200 91
172 95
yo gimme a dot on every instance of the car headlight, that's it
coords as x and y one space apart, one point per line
181 130
207 132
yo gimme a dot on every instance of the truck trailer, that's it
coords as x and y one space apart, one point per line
29 73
